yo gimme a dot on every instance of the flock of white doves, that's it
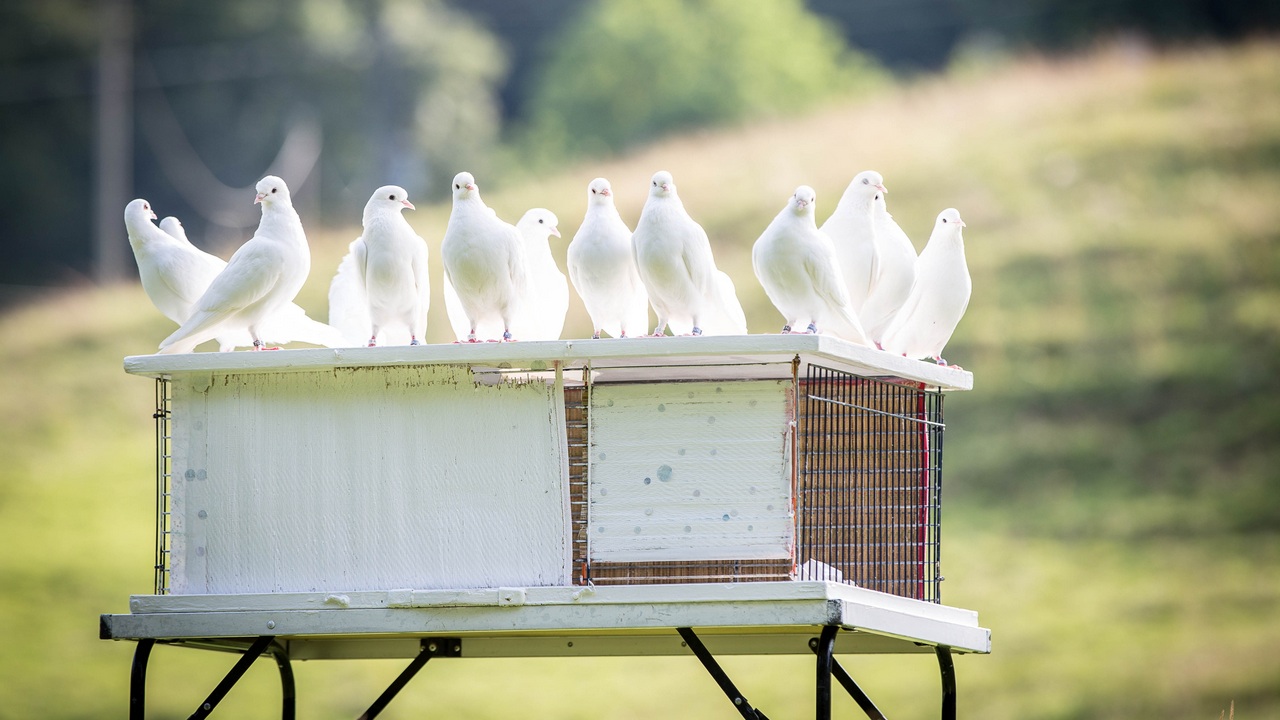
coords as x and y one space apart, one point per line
857 277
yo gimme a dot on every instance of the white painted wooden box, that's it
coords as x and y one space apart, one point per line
548 464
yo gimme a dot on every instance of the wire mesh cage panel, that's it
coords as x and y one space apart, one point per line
163 476
868 489
861 469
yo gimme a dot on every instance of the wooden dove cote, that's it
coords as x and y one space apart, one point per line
541 464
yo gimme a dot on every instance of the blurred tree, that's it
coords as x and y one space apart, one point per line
625 72
385 90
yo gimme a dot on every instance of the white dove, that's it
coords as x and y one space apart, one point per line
262 277
547 300
895 273
939 296
386 268
603 268
796 264
484 261
673 257
173 226
852 228
175 273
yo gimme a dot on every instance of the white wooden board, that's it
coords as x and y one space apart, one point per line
367 479
690 471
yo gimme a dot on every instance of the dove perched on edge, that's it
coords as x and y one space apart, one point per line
484 260
385 270
547 293
175 273
673 257
895 273
939 296
852 228
796 264
263 276
603 268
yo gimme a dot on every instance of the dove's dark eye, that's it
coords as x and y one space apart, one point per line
274 189
391 197
866 181
944 219
456 186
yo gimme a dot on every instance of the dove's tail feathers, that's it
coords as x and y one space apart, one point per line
726 316
202 325
312 332
348 302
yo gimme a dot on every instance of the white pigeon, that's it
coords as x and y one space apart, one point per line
262 277
895 273
382 288
603 268
547 300
939 296
852 228
673 257
484 262
175 274
796 264
173 226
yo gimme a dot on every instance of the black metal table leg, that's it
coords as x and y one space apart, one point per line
825 651
289 692
948 669
718 674
233 676
851 687
138 680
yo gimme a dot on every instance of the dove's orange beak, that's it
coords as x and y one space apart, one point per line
408 204
882 188
153 215
259 198
471 186
606 192
555 231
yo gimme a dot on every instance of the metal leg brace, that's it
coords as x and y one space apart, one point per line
431 647
825 646
266 643
233 676
718 674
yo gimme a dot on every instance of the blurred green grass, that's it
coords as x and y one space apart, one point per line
1112 499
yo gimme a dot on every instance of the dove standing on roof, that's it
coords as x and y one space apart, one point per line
939 296
603 268
262 277
484 260
547 293
796 264
175 274
852 228
673 257
895 273
385 271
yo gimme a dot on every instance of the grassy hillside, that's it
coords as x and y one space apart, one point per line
1113 508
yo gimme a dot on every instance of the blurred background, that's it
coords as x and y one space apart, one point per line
1112 498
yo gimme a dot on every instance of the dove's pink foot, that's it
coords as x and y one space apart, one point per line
373 342
257 345
879 346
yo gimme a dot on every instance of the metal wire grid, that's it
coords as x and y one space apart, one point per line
868 490
164 472
576 399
